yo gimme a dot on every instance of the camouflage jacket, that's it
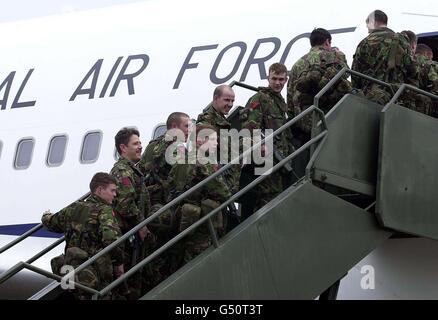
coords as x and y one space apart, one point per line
215 119
308 76
212 117
132 203
435 65
89 225
311 73
156 170
386 56
268 110
428 74
182 177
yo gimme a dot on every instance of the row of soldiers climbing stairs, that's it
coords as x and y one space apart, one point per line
296 247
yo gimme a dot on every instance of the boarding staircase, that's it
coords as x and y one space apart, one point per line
370 175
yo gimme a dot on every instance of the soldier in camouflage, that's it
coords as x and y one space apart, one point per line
156 171
411 99
89 226
132 205
185 176
267 110
215 115
383 55
309 75
153 163
428 78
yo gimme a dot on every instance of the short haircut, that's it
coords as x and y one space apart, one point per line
219 90
175 117
278 68
423 49
410 35
101 179
123 136
319 36
379 16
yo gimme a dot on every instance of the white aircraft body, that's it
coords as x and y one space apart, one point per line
69 82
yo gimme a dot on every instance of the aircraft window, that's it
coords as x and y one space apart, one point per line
159 131
23 156
91 147
56 154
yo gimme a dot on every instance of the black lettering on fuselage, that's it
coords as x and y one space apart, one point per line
130 77
94 72
260 61
253 59
187 65
213 77
7 83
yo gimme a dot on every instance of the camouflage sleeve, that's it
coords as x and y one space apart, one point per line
146 158
109 231
358 65
177 180
53 222
410 67
435 65
202 119
125 203
252 115
217 189
433 80
206 117
290 94
412 77
56 222
143 164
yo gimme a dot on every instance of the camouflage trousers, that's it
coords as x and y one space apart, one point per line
164 228
143 280
96 276
231 177
199 239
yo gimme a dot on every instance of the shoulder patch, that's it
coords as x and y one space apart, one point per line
254 105
125 181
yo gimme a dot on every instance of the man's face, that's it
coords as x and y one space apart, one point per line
184 126
132 151
277 81
107 193
224 103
